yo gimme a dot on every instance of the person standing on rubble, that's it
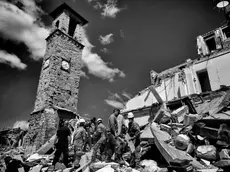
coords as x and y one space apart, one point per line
110 146
112 123
62 141
134 132
93 126
79 140
121 124
100 137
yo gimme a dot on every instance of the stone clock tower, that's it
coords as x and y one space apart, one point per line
57 94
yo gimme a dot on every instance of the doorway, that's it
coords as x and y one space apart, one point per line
204 80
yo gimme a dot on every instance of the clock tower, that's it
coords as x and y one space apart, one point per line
57 93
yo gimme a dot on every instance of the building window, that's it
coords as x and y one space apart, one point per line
57 24
226 32
210 42
46 63
72 26
204 80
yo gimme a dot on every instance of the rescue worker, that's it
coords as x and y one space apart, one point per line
121 124
88 144
112 123
134 132
100 138
122 148
62 141
110 146
92 129
79 140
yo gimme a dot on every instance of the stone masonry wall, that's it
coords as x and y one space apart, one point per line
63 19
43 125
56 86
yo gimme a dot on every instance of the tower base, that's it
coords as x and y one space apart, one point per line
43 124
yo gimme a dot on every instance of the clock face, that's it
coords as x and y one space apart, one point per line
46 63
65 65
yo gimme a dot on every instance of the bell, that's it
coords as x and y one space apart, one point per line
221 4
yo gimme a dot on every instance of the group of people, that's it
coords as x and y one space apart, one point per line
107 143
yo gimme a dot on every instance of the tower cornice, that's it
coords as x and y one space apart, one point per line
58 32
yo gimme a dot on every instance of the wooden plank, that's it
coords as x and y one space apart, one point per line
156 95
169 152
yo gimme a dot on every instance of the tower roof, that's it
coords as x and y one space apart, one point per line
63 7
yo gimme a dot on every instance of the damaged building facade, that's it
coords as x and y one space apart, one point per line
193 94
191 83
57 94
207 73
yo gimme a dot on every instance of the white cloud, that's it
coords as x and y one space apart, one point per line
127 95
118 100
31 8
114 103
20 26
96 66
107 39
115 100
104 50
115 96
83 75
110 9
24 125
12 60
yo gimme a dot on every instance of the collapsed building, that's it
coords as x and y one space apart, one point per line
197 92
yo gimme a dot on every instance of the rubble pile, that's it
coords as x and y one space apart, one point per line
11 138
191 134
29 159
184 139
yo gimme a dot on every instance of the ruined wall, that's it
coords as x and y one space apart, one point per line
43 125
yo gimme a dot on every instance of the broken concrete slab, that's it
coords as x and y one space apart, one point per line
37 168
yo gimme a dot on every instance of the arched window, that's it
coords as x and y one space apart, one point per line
57 24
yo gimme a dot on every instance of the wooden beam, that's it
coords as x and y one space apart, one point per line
156 94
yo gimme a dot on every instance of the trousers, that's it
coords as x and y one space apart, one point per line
58 153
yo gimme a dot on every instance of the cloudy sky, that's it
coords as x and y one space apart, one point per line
124 40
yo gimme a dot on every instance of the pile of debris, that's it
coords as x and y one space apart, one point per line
191 137
41 160
198 141
11 138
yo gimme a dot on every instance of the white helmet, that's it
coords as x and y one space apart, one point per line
81 121
99 120
130 115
